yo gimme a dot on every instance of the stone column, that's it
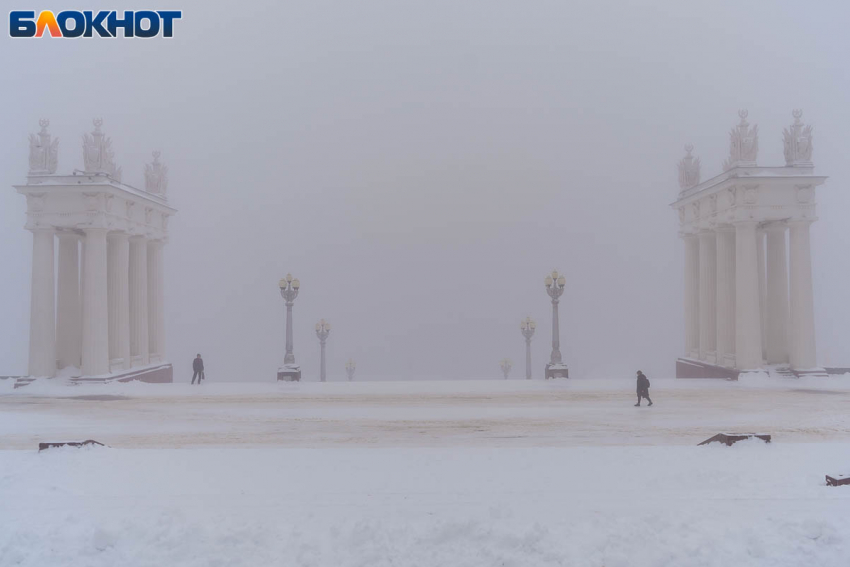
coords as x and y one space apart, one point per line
777 315
691 295
82 287
803 355
707 297
119 298
139 299
156 313
42 359
725 296
747 309
762 289
112 295
68 312
95 351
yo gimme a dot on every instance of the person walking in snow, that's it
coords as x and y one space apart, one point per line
198 367
642 388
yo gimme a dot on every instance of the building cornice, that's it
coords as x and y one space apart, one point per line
740 175
88 182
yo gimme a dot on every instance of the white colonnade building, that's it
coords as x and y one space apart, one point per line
749 301
101 316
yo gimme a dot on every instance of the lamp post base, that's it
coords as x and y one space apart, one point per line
558 370
289 373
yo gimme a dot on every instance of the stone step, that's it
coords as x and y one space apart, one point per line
155 373
21 381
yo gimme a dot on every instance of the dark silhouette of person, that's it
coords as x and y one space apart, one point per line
642 388
198 367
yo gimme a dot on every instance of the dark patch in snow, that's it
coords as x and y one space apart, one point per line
812 391
97 398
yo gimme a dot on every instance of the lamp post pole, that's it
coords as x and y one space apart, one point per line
555 288
527 326
349 369
323 329
506 366
289 287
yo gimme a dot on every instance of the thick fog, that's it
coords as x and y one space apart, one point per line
421 167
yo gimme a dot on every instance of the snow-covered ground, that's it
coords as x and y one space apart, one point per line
498 413
425 474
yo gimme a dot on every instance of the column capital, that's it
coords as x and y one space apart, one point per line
775 227
724 228
42 229
118 235
137 237
67 235
687 235
799 222
746 223
95 229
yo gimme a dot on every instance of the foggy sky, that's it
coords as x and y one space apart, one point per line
421 167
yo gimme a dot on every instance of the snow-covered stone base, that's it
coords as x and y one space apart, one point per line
289 373
558 370
693 368
756 376
811 372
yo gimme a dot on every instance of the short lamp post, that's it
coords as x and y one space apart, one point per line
349 369
323 329
290 371
527 326
506 366
555 288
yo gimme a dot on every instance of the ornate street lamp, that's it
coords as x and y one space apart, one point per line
323 329
506 366
349 369
290 371
527 327
555 288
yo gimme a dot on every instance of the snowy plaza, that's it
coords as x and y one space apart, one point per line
425 473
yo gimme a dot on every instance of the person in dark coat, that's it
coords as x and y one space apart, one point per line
198 367
642 388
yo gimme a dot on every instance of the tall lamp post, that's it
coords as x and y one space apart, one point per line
555 288
527 327
506 366
323 329
290 371
349 369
